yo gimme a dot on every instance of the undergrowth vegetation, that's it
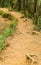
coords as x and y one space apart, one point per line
6 15
37 24
7 32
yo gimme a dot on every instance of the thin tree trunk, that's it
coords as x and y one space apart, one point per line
19 4
35 6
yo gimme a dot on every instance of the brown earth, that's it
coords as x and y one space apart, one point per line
24 41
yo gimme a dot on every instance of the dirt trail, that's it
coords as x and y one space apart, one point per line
22 43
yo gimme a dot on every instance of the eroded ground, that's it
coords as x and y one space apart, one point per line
21 43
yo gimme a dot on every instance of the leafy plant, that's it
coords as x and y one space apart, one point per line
6 15
14 24
38 24
2 42
6 33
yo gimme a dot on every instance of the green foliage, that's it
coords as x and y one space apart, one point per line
1 12
10 17
9 31
39 10
29 15
38 24
2 42
6 15
14 24
6 33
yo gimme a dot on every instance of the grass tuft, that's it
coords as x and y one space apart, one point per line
6 33
6 15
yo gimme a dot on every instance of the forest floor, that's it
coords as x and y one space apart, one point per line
23 42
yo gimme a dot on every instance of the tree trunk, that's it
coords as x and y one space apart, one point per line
35 6
19 4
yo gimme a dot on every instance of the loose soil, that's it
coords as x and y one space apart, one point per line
24 41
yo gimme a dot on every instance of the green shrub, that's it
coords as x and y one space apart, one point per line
10 17
29 15
10 30
1 12
14 24
2 42
6 33
38 24
6 15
